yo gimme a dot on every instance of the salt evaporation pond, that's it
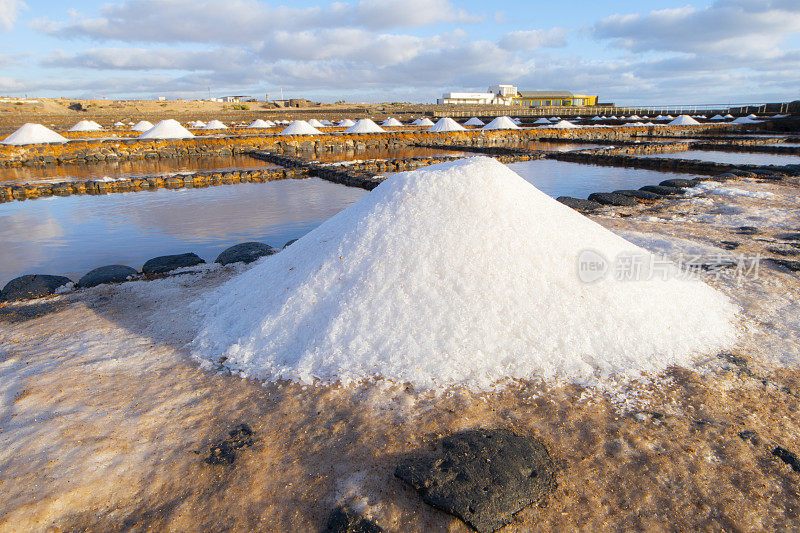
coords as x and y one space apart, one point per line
118 169
733 158
396 153
560 178
70 236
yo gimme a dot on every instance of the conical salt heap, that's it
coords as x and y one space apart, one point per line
460 273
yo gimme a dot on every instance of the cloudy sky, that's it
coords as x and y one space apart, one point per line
627 51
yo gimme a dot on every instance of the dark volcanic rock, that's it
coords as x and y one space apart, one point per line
290 243
245 252
790 458
788 236
106 274
344 520
642 195
578 204
482 476
677 182
32 286
610 198
662 189
746 230
729 245
788 264
165 263
224 451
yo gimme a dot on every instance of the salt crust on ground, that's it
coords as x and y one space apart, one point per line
459 273
33 134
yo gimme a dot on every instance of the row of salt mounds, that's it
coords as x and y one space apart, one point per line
316 123
364 125
215 125
167 129
501 123
260 124
562 125
300 127
345 123
142 126
459 273
391 122
474 121
683 120
86 125
33 134
446 124
423 122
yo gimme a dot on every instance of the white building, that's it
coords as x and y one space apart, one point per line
497 95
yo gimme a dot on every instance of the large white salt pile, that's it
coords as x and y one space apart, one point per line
501 123
391 122
446 124
563 125
300 127
458 273
364 125
215 125
683 120
316 123
474 121
259 124
86 125
167 129
33 134
142 125
345 123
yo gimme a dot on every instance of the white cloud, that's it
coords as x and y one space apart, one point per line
9 11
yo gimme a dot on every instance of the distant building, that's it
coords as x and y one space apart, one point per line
230 99
510 95
553 98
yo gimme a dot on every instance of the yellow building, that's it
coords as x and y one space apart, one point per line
553 98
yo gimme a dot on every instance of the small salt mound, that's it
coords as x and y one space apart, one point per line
563 125
751 116
167 129
683 120
456 274
474 121
346 123
501 123
316 123
634 117
215 125
259 124
744 120
446 124
142 125
119 124
364 125
423 122
728 116
85 125
717 117
542 121
596 118
33 134
300 127
197 124
391 123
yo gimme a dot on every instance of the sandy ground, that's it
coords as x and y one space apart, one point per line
105 420
54 112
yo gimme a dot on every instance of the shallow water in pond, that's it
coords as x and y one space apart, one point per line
560 178
734 158
70 236
118 169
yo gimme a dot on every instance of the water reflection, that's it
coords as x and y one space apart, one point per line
559 178
733 158
70 236
142 167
